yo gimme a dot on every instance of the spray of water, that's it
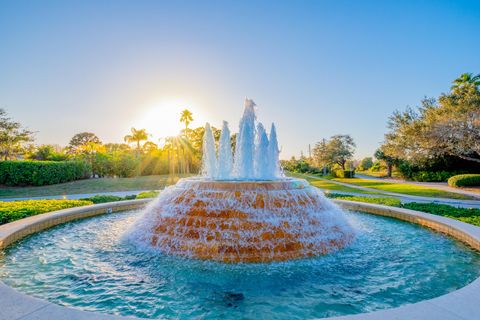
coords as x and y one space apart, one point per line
209 160
256 156
225 157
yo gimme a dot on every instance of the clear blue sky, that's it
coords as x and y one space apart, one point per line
315 68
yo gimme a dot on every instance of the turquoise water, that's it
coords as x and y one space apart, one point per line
89 266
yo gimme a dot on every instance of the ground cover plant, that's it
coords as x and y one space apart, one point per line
15 210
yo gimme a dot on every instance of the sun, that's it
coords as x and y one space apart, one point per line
162 119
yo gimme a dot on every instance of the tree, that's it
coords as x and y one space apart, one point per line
467 82
149 147
186 117
337 150
389 161
12 137
79 142
366 163
136 136
447 126
48 152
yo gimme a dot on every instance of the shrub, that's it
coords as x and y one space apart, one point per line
468 215
125 165
464 180
103 198
148 194
344 173
15 210
40 173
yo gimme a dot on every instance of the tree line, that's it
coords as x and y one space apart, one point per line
432 142
137 155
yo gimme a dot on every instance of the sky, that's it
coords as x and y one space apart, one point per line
315 68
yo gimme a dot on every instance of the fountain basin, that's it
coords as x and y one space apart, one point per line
460 303
243 221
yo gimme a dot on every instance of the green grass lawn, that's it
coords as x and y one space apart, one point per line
91 186
378 174
329 186
404 188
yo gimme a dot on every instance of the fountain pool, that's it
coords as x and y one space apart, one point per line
90 265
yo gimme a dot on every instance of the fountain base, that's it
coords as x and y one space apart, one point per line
244 221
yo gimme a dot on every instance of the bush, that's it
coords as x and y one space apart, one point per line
148 194
464 180
15 210
103 198
40 173
344 173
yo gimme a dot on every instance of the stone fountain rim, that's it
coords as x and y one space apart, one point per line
459 304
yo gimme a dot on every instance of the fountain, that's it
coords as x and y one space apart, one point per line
245 209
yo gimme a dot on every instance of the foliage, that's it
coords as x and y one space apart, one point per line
337 150
83 142
136 136
148 194
464 180
344 173
365 164
468 215
387 201
301 165
103 198
186 117
15 210
39 173
47 152
447 126
12 137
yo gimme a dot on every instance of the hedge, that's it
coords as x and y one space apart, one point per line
464 180
15 210
40 173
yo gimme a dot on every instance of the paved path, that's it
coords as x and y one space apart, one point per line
437 185
80 195
403 197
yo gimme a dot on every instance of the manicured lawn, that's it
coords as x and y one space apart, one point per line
386 201
91 186
378 174
404 188
330 186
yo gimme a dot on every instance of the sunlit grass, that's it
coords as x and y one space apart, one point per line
403 188
329 186
92 186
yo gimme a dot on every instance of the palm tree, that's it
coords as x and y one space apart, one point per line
466 80
136 136
186 117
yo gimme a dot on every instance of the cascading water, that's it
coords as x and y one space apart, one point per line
245 211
